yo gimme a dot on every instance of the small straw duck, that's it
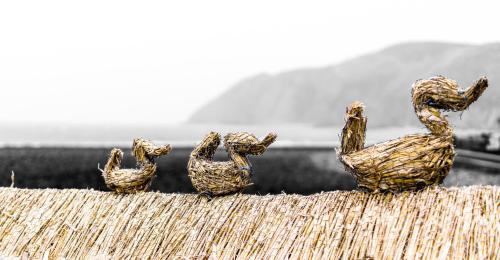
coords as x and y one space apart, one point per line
219 178
414 161
133 180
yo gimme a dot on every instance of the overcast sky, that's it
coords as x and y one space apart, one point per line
142 62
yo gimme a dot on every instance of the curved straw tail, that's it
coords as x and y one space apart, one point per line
145 151
206 149
353 134
114 161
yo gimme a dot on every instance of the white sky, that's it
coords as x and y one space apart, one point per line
142 62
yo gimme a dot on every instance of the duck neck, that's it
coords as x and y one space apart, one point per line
148 169
433 120
240 160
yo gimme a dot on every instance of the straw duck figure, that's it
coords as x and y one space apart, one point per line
214 178
133 180
413 161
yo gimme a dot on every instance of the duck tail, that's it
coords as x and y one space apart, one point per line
353 134
206 149
114 161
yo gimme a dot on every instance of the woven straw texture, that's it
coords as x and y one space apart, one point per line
435 223
220 178
133 180
414 161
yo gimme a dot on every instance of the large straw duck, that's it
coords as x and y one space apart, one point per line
133 180
414 161
219 178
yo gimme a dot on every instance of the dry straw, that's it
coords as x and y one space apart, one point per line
435 223
414 161
219 178
133 180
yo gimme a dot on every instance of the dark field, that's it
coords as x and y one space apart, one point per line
278 170
290 170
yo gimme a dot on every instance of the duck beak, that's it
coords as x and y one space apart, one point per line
268 140
165 149
473 92
261 147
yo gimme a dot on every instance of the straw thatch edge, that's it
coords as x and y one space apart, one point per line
449 223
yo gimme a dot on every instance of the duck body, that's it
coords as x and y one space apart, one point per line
232 176
414 161
218 178
408 163
130 180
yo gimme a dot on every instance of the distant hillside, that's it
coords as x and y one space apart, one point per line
381 80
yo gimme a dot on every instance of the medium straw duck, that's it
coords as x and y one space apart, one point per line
414 161
133 180
219 178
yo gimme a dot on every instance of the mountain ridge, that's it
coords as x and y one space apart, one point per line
382 80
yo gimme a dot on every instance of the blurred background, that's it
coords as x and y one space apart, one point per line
78 78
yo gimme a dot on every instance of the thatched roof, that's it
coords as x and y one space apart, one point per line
435 223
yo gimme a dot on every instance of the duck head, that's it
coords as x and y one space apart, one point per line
443 93
145 151
246 143
440 93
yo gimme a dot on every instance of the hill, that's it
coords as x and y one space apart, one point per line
381 80
436 223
